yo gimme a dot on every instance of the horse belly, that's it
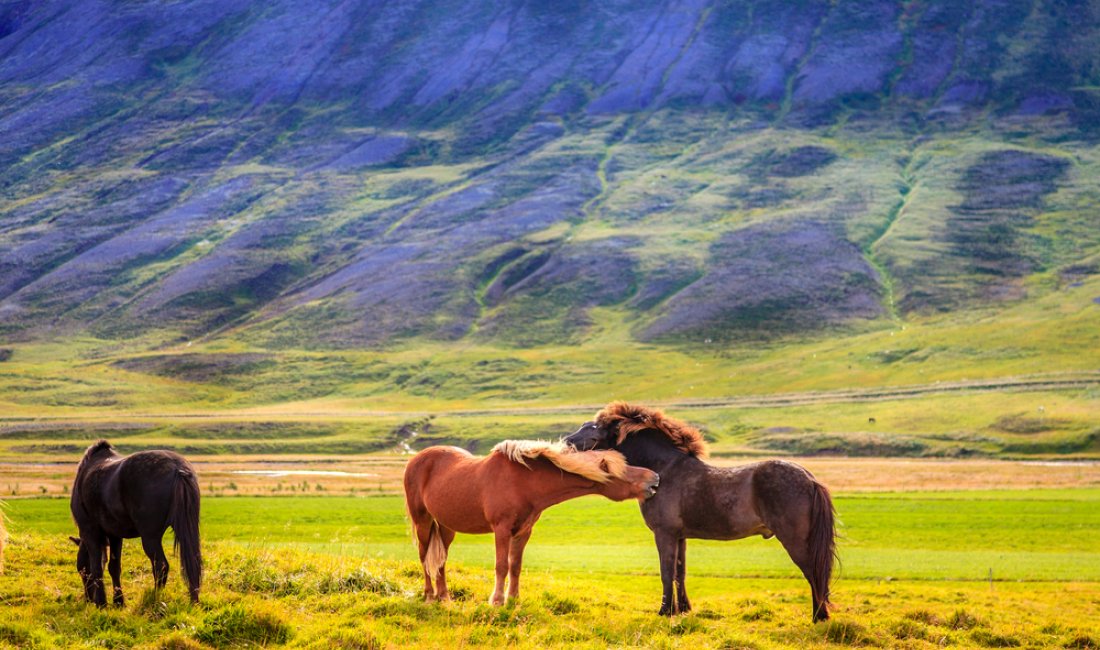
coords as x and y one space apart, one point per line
458 508
727 515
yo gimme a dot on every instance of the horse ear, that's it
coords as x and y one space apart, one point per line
604 466
74 540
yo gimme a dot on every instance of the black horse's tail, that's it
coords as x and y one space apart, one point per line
184 519
822 543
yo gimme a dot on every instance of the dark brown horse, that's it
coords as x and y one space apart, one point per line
140 495
447 490
700 501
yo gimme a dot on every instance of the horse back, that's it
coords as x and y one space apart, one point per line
453 485
128 496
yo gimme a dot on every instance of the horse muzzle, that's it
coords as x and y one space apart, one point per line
651 488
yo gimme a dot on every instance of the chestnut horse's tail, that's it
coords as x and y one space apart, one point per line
436 556
184 519
822 543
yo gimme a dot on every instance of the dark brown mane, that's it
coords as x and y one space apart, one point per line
625 419
97 447
94 450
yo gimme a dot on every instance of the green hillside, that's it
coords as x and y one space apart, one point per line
270 210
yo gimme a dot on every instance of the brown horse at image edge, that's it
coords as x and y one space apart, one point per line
700 501
448 490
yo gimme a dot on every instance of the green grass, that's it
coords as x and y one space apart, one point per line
341 573
1018 535
1051 423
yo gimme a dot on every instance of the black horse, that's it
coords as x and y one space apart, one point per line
140 495
700 501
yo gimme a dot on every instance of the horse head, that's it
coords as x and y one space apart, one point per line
635 483
590 436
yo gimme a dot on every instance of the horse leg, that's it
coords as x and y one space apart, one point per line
446 535
423 531
683 605
799 552
114 567
794 536
667 546
94 587
504 542
515 562
155 551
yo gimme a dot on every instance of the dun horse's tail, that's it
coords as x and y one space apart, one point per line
184 519
822 544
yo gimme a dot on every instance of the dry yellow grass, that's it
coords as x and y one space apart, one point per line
381 474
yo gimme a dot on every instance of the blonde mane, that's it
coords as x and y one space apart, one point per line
624 419
599 466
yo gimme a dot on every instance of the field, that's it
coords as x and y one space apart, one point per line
973 568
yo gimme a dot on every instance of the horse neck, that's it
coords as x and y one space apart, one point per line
651 449
553 485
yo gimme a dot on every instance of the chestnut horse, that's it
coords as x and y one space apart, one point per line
448 490
140 495
701 501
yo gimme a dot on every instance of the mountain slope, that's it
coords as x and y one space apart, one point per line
354 172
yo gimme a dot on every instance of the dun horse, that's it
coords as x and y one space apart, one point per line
700 501
140 495
447 490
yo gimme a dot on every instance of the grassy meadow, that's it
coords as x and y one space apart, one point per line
1001 568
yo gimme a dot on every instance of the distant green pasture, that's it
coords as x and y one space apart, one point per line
1011 535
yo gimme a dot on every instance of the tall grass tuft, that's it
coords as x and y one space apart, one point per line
240 624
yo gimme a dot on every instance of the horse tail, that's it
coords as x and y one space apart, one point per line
436 556
184 519
822 544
